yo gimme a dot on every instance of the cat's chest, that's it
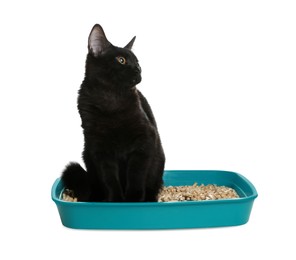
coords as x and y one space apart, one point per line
119 137
119 129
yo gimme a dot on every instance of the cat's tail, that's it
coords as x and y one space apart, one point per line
74 178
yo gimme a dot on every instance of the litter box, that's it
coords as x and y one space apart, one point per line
164 215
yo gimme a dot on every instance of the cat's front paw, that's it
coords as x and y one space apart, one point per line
135 196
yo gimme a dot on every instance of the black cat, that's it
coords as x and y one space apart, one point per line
122 153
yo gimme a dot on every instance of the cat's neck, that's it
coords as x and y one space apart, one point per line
109 99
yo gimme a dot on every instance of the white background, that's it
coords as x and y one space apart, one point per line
219 76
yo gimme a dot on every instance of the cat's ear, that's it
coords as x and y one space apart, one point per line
97 41
130 44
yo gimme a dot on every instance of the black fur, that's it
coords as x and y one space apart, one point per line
123 154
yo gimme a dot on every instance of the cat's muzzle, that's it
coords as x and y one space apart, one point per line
137 79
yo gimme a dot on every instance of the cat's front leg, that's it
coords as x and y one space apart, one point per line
137 169
108 173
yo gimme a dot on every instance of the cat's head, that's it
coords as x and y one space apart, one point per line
114 66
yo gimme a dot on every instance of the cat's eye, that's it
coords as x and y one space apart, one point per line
121 60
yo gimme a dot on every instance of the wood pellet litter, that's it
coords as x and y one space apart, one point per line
68 195
196 192
182 193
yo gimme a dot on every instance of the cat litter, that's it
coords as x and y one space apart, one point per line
68 195
195 192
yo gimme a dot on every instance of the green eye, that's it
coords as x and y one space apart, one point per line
121 60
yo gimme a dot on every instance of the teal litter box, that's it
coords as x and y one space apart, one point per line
164 215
